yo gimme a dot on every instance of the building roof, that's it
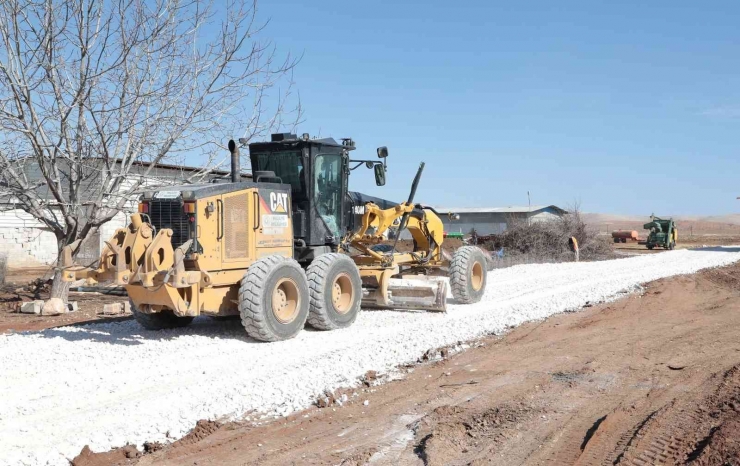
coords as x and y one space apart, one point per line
186 168
159 173
502 210
167 166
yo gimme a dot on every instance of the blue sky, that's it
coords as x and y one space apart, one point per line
629 108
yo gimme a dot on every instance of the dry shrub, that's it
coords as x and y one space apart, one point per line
547 241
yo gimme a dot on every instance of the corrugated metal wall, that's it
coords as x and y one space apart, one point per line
491 223
483 223
18 219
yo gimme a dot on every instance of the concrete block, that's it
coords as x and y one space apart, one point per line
113 309
32 307
127 307
54 307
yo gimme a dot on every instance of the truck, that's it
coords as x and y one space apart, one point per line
621 236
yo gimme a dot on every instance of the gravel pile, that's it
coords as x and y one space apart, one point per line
106 385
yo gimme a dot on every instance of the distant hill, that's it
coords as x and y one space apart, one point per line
733 219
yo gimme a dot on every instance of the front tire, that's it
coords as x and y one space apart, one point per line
336 292
274 299
468 274
159 320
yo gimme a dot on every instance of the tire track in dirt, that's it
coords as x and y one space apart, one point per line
679 431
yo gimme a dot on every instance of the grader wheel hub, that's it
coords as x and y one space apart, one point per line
285 300
342 293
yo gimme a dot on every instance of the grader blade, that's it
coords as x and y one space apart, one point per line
417 293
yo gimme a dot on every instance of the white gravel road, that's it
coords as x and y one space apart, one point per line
110 384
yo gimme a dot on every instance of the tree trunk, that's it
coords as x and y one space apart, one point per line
3 266
59 289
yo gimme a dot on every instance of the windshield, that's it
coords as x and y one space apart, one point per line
287 165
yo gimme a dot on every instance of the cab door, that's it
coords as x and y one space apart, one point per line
328 188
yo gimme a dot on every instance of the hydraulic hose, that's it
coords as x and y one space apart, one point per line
410 201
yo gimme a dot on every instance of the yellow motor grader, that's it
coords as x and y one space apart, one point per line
277 251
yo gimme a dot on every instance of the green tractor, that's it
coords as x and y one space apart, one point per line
663 233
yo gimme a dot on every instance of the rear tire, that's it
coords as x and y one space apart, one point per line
650 246
336 292
159 320
490 262
273 299
468 274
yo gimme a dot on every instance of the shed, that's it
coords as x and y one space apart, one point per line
494 220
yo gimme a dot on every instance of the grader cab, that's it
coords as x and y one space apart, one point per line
289 248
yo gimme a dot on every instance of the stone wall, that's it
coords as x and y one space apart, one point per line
25 241
28 244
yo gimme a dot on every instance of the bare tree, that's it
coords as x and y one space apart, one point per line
94 94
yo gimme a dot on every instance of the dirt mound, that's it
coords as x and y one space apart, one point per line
119 456
725 277
722 445
202 429
464 435
129 453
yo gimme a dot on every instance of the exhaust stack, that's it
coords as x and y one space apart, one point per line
235 168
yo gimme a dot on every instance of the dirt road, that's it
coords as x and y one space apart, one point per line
90 308
651 378
685 242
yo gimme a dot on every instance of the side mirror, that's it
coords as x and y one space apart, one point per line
379 175
382 152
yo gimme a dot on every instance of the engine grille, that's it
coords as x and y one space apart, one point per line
235 226
168 213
